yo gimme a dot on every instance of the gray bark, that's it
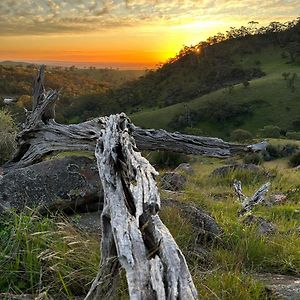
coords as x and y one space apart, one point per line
131 229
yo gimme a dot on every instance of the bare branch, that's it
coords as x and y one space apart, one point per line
249 203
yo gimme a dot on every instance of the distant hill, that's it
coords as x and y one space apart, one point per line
78 85
249 102
14 63
269 100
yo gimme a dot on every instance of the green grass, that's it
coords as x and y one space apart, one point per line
242 247
48 254
279 105
45 254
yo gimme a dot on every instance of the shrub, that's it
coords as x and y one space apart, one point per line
7 135
253 158
166 159
278 151
241 135
270 131
293 135
295 160
246 83
273 151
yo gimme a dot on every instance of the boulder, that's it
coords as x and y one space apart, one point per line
264 227
281 286
185 168
70 183
222 171
172 181
203 224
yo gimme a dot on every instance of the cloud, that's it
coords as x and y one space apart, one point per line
30 17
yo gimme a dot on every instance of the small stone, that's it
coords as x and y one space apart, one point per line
264 227
222 171
173 181
185 167
277 198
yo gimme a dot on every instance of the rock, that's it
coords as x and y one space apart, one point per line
172 181
222 171
88 222
282 286
264 227
185 168
277 198
203 224
70 183
41 296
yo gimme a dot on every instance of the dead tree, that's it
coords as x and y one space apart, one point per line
248 203
133 236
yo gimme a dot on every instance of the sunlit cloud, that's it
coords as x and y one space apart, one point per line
142 32
29 17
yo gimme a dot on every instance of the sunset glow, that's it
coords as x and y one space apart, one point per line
126 34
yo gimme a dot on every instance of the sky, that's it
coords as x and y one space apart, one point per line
123 33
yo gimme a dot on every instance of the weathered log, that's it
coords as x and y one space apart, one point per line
41 135
133 236
248 203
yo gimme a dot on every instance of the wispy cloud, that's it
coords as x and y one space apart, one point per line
30 17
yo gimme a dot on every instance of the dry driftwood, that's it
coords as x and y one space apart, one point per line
248 203
133 235
41 135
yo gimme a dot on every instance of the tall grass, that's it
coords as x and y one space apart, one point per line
39 254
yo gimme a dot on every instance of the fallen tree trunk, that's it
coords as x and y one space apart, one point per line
133 235
41 135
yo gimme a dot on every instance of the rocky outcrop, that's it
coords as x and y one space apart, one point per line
281 286
70 183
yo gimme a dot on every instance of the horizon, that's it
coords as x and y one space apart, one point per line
132 34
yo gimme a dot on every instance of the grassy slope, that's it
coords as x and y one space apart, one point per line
281 107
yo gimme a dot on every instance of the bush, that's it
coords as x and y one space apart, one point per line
166 159
241 135
278 151
253 158
246 83
293 135
7 136
295 160
270 131
273 151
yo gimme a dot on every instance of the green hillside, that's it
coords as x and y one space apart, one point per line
266 100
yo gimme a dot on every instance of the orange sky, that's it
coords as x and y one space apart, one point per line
127 34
